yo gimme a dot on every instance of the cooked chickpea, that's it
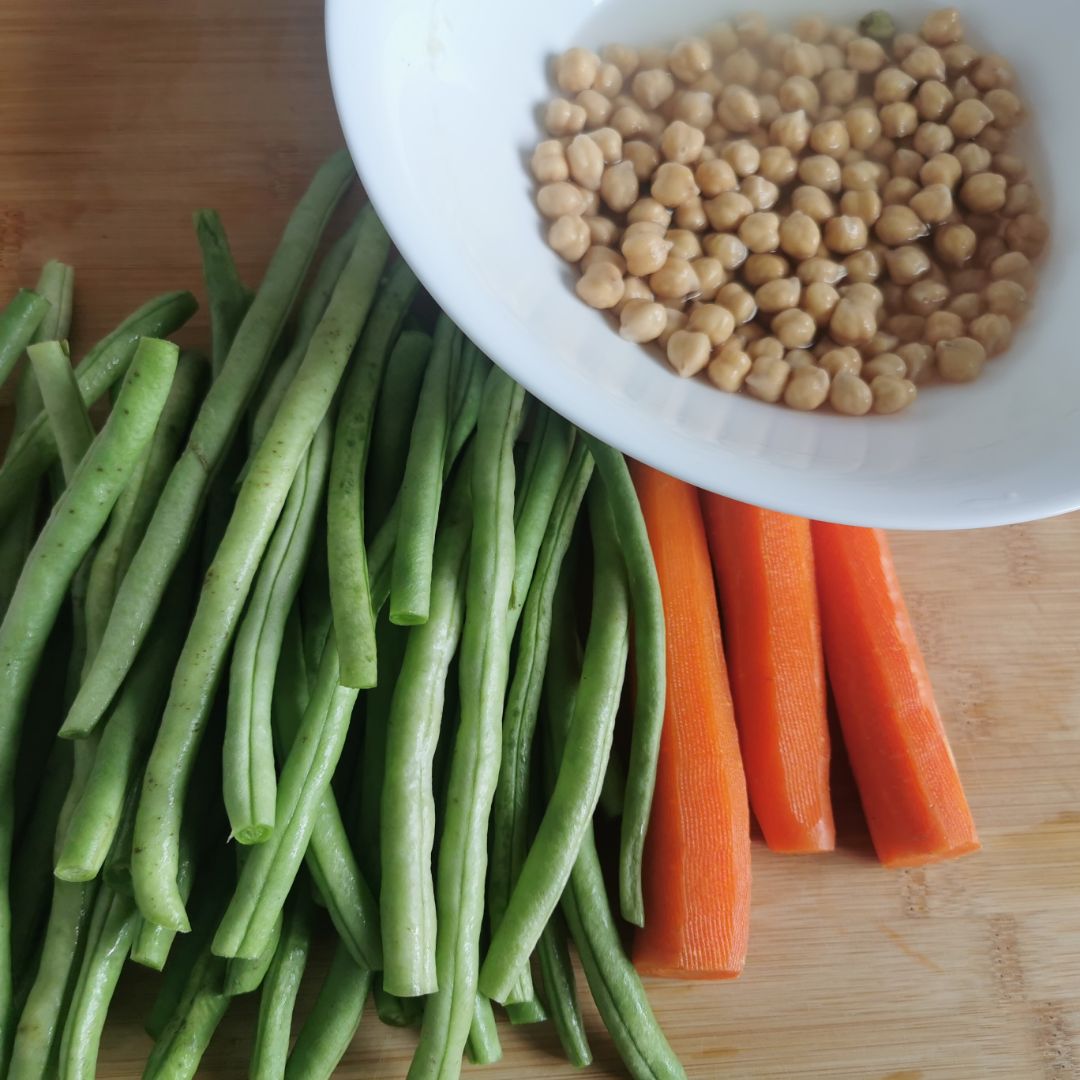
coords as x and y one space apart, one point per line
748 334
714 321
859 176
651 88
852 323
797 93
964 89
970 279
1014 266
597 107
918 360
676 320
673 184
591 201
846 234
960 359
820 171
849 395
839 86
814 203
840 361
628 120
843 35
643 157
808 388
563 117
710 274
778 165
861 126
586 162
778 295
715 177
866 205
798 359
886 363
738 108
943 27
760 232
743 157
1008 298
1013 168
969 306
738 301
727 211
633 289
722 37
993 332
863 267
924 62
763 268
992 72
791 130
931 139
819 301
899 120
576 69
984 193
766 346
682 143
767 379
1028 234
608 81
690 59
891 393
934 100
762 193
623 57
694 107
602 230
882 151
955 244
684 244
619 186
906 164
899 225
768 83
675 280
894 297
820 269
751 29
907 264
691 215
926 297
654 126
970 118
645 252
830 138
648 211
609 142
549 164
742 67
942 169
934 204
1005 106
729 369
799 235
990 247
864 293
727 249
597 253
942 326
642 320
561 199
795 329
569 236
601 286
866 56
892 84
812 28
803 58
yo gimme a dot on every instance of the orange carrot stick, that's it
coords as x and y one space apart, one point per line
764 563
906 774
696 873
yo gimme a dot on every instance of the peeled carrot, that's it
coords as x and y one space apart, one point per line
764 563
905 771
696 873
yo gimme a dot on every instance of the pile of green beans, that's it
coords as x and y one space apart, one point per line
291 648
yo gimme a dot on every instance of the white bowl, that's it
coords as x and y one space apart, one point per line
439 101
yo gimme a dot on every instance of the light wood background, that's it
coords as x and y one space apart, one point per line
119 117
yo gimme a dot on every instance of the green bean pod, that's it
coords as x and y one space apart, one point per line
474 765
64 405
650 673
407 816
34 450
249 775
483 1046
174 520
242 976
229 299
18 324
57 285
557 972
350 588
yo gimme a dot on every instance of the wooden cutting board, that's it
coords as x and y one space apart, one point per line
119 117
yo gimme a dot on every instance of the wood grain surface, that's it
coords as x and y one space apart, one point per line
119 117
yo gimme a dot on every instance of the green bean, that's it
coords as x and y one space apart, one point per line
63 404
271 868
394 414
57 285
421 486
242 976
407 812
615 985
136 504
279 989
483 1044
472 373
18 323
31 454
613 793
531 1011
650 673
474 766
557 972
570 809
228 581
545 466
350 591
332 1022
229 299
171 528
116 871
50 567
202 1006
396 1011
249 776
112 927
510 810
153 943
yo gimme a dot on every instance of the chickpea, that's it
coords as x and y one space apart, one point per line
1014 266
710 274
748 334
799 359
652 87
597 107
866 56
576 69
812 28
1013 168
984 193
955 244
960 359
891 393
903 44
918 358
882 151
803 58
906 164
569 236
849 395
970 118
934 100
886 363
563 117
969 306
907 264
970 279
813 202
751 29
623 57
1008 298
675 280
791 130
1005 107
628 120
602 230
761 269
688 352
673 184
738 301
820 171
943 27
597 253
931 139
799 235
619 186
586 162
727 211
591 200
727 249
654 126
766 346
862 129
601 286
819 302
633 289
799 93
993 332
839 86
778 165
964 89
959 58
714 321
759 137
924 62
808 389
738 108
846 234
694 107
899 120
892 84
934 204
894 297
859 176
715 177
741 67
762 193
690 59
899 225
608 81
676 320
648 211
926 297
992 72
942 326
852 323
843 35
691 215
642 320
644 158
830 138
863 267
684 244
819 269
760 232
609 142
728 370
942 169
742 156
549 164
560 199
768 378
645 252
768 83
778 295
864 294
990 248
1027 234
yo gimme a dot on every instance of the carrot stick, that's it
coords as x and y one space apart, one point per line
906 774
764 563
696 873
